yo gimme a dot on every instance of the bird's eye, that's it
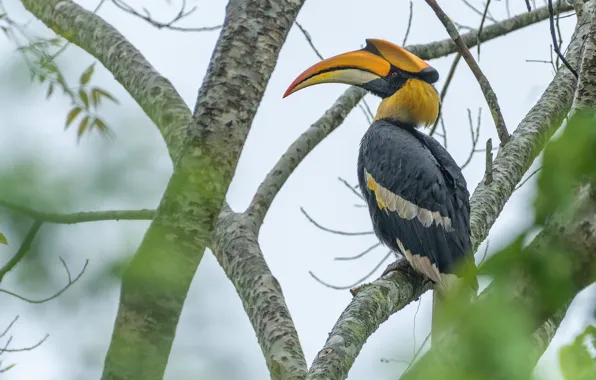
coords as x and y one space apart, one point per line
393 74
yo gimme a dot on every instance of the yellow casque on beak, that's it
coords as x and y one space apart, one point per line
361 66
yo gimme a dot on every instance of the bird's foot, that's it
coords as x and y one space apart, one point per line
397 266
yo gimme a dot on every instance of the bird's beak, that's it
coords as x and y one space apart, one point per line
376 61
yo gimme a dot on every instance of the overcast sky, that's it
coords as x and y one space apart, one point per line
213 326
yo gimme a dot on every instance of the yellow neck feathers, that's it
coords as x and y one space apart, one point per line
416 102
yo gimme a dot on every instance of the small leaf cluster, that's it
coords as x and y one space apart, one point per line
40 56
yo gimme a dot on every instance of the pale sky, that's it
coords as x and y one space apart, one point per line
214 330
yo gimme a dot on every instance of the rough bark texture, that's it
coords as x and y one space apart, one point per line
236 246
155 284
372 305
154 93
525 144
488 201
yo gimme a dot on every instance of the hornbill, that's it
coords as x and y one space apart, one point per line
416 194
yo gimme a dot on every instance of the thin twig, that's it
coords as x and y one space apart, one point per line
554 37
489 94
488 175
55 295
25 246
79 217
334 231
444 91
475 135
6 349
444 132
357 282
560 36
482 26
7 329
361 254
416 354
182 13
309 40
527 179
478 11
409 24
351 188
485 252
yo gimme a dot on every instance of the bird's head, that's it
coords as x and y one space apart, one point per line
401 79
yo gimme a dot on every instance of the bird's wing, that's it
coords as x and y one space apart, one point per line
418 200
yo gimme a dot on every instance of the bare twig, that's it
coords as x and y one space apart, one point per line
355 283
482 25
485 252
182 13
475 135
489 94
334 231
361 254
351 188
79 217
29 348
7 329
488 174
55 295
409 24
309 39
25 246
527 179
416 354
554 37
444 91
478 11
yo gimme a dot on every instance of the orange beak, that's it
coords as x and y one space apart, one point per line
378 60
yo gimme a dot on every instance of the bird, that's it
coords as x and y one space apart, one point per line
416 194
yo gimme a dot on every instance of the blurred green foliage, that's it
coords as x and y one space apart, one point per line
492 337
568 161
577 362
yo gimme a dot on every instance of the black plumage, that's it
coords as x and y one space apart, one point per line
416 168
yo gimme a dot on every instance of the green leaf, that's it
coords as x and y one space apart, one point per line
3 239
84 98
83 126
99 93
86 76
100 125
50 90
72 115
577 363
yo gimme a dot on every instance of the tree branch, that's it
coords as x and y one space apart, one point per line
25 246
79 217
512 162
489 94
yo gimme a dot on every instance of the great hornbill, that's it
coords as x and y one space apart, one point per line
416 193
